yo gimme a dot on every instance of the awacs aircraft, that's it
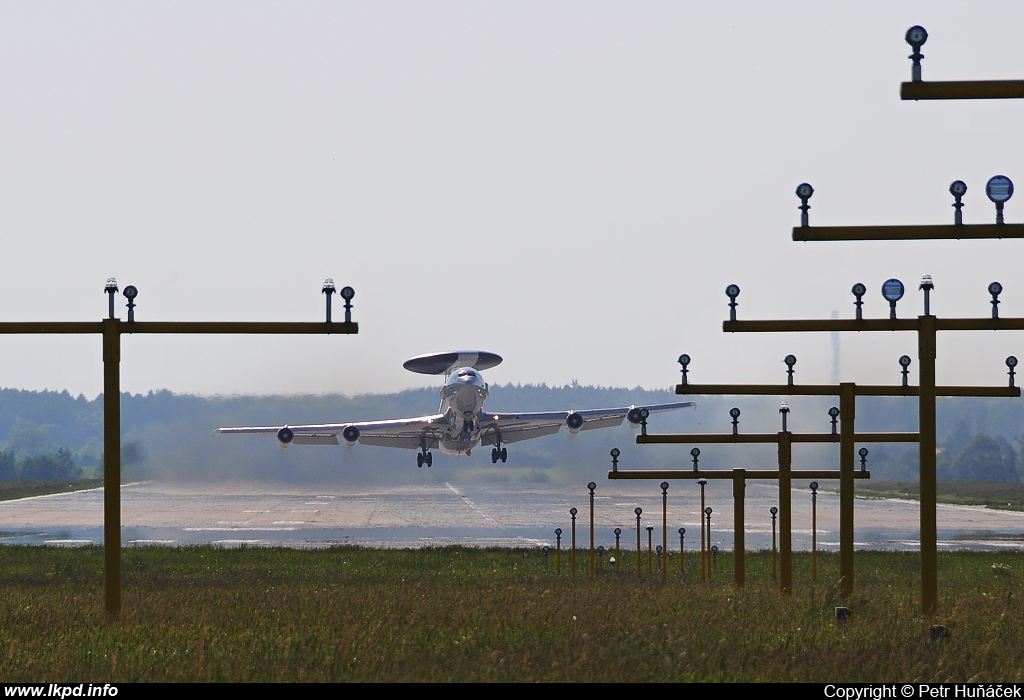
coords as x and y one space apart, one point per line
461 422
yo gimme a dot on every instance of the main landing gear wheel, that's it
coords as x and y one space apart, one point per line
425 458
497 454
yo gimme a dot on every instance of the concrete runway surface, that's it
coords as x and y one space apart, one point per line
523 515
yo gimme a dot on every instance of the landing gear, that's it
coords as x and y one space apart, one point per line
499 453
424 457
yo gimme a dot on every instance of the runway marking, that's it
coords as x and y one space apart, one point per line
472 506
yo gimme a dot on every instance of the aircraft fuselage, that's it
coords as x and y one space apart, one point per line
462 401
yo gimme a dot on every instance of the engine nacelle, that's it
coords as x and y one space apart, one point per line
574 423
633 418
285 436
350 435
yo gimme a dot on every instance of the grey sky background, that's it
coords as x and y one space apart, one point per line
571 185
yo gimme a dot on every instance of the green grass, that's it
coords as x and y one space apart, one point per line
1003 495
10 490
349 614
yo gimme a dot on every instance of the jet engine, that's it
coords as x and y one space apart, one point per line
285 436
574 423
350 435
633 418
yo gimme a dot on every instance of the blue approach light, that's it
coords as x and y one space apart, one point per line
892 291
999 190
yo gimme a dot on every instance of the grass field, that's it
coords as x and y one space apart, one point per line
1004 495
348 614
9 490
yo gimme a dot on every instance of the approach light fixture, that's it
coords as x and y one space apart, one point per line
664 488
858 291
329 290
1011 363
735 414
790 361
804 192
814 488
347 293
130 292
833 413
892 291
999 190
863 452
684 360
927 285
111 289
592 486
958 189
732 291
905 364
995 289
916 36
695 456
615 458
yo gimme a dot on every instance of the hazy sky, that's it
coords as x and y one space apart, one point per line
569 184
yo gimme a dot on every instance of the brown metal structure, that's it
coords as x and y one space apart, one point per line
111 330
962 90
926 327
944 232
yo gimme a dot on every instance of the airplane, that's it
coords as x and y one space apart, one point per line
461 422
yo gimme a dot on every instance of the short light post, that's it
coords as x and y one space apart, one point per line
682 551
638 510
664 531
707 516
703 538
775 546
814 531
592 486
650 549
572 513
618 549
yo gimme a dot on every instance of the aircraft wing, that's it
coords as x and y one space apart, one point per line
409 433
515 427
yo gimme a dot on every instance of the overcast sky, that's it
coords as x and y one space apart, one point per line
569 184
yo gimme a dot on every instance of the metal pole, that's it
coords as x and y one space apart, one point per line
112 466
739 486
926 427
650 548
847 416
703 550
572 512
814 536
786 511
638 511
591 486
664 531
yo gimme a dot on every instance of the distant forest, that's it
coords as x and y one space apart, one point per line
55 435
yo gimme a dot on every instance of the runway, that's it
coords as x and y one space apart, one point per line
477 515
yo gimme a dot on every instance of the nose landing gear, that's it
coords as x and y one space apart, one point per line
499 453
426 458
